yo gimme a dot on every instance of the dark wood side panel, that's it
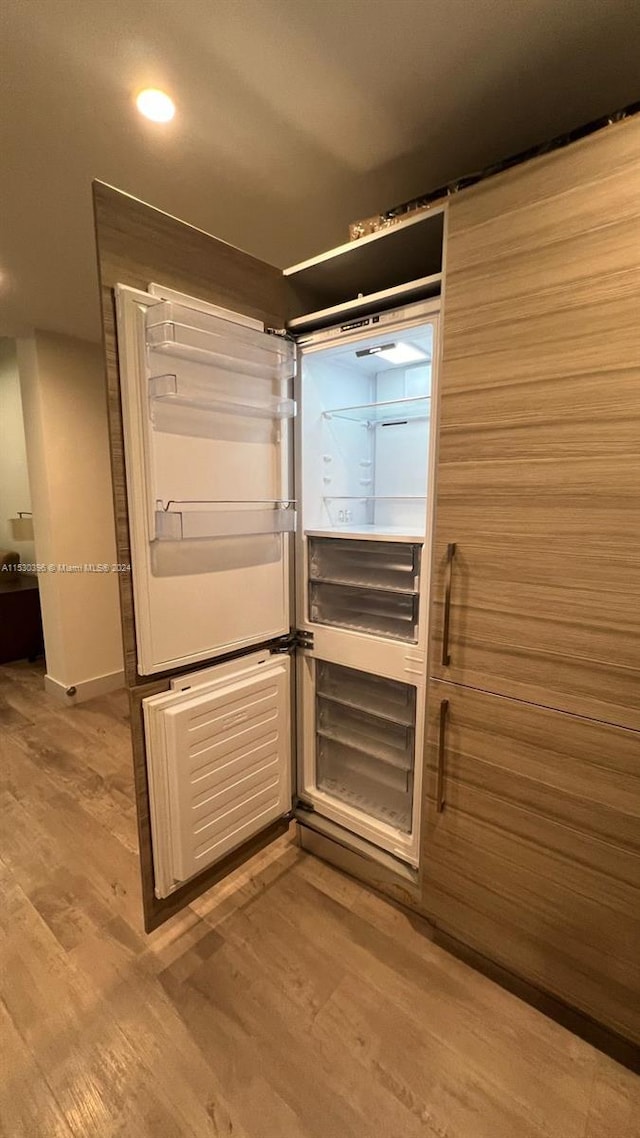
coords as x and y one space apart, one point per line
535 859
539 454
137 244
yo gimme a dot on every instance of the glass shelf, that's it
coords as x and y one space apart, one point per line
388 413
181 521
173 390
174 329
371 532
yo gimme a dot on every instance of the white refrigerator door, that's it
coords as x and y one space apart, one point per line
219 763
206 408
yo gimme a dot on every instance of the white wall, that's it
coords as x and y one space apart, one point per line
63 396
15 495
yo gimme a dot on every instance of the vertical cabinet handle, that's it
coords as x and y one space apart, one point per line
451 552
442 740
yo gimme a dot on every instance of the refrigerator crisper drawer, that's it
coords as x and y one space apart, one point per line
376 611
388 742
384 565
347 778
388 699
176 330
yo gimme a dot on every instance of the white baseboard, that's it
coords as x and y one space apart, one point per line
84 689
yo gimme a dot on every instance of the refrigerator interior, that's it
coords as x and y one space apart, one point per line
365 459
365 424
365 430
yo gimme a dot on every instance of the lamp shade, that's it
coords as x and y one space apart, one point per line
21 528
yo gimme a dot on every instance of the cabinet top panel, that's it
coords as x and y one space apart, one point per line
362 242
408 251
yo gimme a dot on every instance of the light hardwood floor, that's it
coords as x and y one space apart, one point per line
289 1002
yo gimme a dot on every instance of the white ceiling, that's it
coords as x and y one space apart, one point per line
294 116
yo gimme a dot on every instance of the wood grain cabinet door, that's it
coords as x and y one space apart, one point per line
538 482
533 858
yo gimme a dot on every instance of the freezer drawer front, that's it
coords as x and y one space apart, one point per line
219 765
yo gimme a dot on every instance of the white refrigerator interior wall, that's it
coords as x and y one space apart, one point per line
365 430
62 384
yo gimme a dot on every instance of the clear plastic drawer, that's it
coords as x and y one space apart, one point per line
381 739
387 566
387 699
365 786
375 611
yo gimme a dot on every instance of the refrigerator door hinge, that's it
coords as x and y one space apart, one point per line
303 639
284 646
297 638
299 804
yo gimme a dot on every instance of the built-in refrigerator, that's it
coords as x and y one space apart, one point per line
280 514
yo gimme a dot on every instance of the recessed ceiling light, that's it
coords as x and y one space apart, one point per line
155 105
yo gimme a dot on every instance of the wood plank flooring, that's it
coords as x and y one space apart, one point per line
290 1002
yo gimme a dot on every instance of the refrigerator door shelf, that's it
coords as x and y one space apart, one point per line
189 344
177 330
174 391
181 521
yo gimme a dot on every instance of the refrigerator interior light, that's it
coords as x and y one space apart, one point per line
401 353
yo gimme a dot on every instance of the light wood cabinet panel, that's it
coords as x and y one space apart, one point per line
538 479
534 860
594 159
